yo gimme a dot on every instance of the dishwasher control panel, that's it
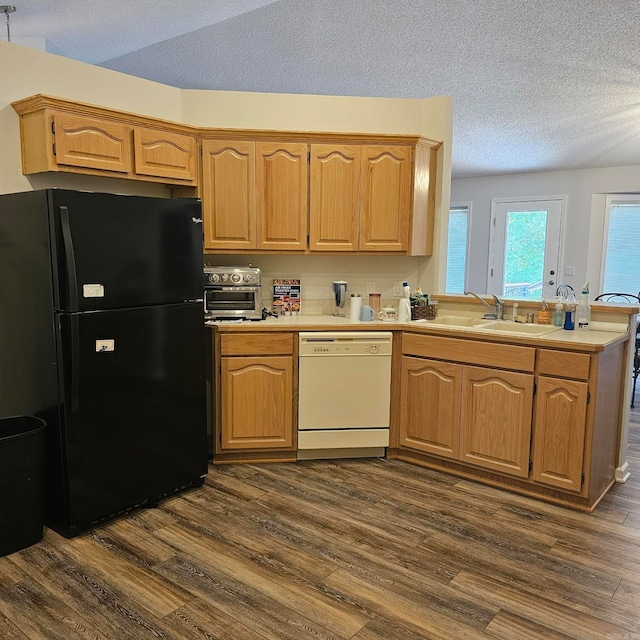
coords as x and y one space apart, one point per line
345 343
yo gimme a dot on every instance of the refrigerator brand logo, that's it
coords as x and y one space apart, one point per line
93 290
105 345
197 220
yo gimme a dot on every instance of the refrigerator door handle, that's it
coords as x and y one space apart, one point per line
74 386
70 257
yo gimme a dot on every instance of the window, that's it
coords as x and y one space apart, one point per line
621 255
457 248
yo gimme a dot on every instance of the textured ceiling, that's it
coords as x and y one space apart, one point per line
537 84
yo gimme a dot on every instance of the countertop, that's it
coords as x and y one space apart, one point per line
603 334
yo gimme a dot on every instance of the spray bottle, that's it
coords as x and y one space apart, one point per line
583 312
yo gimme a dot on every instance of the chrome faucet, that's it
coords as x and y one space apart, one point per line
496 312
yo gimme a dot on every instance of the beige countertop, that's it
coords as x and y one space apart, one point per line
595 339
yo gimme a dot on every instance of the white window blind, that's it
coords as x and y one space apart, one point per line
622 253
457 248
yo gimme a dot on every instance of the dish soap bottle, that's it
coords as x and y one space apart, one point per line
558 316
583 312
543 314
570 313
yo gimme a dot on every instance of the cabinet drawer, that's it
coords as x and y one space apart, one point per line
241 344
504 356
564 364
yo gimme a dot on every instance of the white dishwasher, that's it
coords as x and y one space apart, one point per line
344 393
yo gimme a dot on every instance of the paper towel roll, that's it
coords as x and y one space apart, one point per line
404 310
354 306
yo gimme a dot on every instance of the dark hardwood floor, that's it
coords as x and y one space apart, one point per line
366 549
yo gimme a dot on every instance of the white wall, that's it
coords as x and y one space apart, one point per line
25 72
584 217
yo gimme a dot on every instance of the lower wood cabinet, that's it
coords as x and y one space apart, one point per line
255 393
560 427
541 421
257 402
477 415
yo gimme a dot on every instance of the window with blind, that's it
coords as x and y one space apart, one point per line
457 245
621 255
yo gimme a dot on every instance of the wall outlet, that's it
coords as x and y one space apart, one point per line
398 290
371 286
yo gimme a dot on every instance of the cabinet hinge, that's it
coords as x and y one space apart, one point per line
530 465
308 156
53 127
54 148
582 478
535 388
588 397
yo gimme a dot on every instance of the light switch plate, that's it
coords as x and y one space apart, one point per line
569 271
371 286
398 290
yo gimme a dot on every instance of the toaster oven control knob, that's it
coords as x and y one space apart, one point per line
214 277
235 277
247 277
225 277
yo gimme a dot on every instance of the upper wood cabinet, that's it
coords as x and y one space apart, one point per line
334 221
60 135
282 195
164 154
79 141
386 198
228 194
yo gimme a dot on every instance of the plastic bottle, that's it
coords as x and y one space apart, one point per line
558 315
570 313
583 311
420 298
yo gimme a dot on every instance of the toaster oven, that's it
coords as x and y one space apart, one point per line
232 293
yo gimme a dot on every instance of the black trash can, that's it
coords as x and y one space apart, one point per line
22 444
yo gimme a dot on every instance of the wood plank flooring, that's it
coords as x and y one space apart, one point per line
356 549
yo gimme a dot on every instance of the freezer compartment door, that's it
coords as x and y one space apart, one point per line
115 251
134 418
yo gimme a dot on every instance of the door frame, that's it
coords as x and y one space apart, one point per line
492 235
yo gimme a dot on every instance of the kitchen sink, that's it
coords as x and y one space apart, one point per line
459 321
507 326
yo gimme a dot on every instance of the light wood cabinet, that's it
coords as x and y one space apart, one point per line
476 415
61 135
386 198
430 401
496 419
560 427
335 197
256 392
282 203
539 420
164 154
257 402
78 141
228 194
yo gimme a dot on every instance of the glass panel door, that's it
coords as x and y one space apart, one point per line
525 248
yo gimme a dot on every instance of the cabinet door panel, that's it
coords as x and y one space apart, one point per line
164 154
257 403
386 198
558 441
496 420
228 182
430 406
282 179
92 143
335 203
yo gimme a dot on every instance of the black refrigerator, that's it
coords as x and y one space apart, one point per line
102 335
